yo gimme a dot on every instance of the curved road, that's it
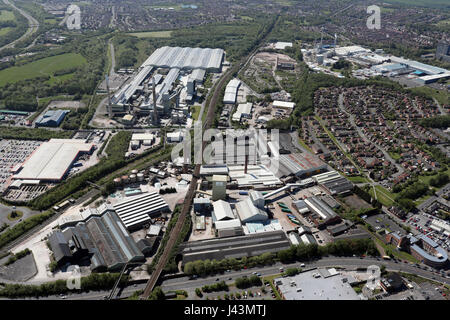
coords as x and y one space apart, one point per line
33 25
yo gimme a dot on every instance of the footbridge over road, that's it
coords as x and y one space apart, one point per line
302 184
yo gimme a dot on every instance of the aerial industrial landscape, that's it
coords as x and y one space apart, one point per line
224 150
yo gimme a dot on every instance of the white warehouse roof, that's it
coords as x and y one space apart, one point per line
138 209
186 58
283 104
52 159
226 224
231 91
248 212
282 45
243 110
222 210
142 136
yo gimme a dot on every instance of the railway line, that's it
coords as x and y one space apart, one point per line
162 262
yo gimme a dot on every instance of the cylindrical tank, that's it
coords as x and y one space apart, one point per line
117 181
132 178
125 179
134 171
140 177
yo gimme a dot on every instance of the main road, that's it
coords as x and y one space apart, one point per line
184 283
33 25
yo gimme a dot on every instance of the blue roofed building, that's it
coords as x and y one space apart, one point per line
52 118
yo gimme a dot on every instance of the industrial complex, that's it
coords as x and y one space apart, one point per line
164 87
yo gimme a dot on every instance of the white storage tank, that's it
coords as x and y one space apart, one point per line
117 181
140 177
132 178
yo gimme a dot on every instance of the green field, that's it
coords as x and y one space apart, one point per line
384 196
46 66
443 23
6 15
358 179
196 112
4 31
421 3
441 96
152 34
51 20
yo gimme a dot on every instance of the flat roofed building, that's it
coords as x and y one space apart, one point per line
235 247
176 136
282 45
350 50
137 210
257 176
51 118
52 160
209 170
226 224
283 104
316 284
142 136
186 58
244 110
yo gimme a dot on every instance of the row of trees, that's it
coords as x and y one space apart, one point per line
205 267
92 282
33 134
436 122
17 256
244 283
19 27
301 252
219 286
20 228
348 247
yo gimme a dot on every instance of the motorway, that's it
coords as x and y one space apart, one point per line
33 25
183 283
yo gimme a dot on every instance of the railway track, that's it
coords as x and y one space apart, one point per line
162 262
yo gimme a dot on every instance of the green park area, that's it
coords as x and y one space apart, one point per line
5 30
46 66
6 15
152 34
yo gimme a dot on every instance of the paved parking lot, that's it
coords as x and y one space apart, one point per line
381 221
12 153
